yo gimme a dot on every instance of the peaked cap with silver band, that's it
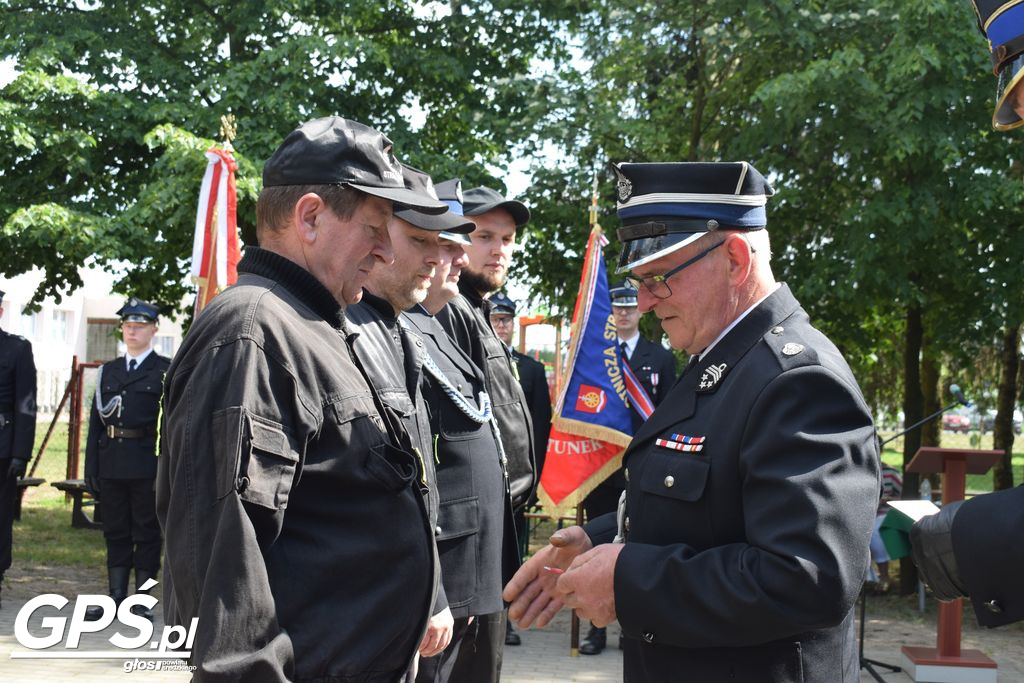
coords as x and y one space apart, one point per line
1002 22
450 192
138 311
623 295
665 206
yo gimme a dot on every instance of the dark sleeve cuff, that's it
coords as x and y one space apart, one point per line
602 529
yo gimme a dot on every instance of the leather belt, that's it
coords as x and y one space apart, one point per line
118 433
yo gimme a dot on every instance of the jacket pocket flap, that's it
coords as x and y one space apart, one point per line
458 518
682 477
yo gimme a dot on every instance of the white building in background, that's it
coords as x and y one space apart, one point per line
83 324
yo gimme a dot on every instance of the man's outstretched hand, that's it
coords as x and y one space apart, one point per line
531 592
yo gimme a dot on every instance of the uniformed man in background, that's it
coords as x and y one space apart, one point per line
655 369
121 454
17 429
751 490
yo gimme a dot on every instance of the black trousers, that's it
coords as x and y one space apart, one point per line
473 656
130 526
8 503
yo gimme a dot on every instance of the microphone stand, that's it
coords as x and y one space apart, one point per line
865 662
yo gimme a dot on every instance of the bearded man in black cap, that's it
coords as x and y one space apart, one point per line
969 549
17 429
475 535
282 464
392 354
751 491
121 455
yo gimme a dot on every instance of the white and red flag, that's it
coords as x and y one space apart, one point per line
215 246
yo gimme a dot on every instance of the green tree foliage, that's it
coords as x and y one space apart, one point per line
116 100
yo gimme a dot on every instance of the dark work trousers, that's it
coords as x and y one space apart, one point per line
8 501
473 655
129 523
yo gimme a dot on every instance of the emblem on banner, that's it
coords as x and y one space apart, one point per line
591 399
711 376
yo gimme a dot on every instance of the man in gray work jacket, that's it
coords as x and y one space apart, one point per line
281 466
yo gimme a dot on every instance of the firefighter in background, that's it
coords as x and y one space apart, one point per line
121 457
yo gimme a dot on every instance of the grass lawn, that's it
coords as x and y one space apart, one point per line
976 483
44 535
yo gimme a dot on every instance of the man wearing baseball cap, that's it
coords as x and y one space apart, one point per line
751 491
475 537
281 465
392 355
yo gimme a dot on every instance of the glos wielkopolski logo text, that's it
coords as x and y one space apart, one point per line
140 629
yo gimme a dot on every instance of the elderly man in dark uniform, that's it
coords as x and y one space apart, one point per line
475 533
17 429
121 454
534 381
751 491
972 548
297 531
655 369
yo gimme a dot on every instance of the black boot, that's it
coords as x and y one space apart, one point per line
141 577
595 641
117 577
511 637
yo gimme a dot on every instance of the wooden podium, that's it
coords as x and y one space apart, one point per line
947 663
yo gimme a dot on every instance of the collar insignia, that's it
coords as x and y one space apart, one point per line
710 378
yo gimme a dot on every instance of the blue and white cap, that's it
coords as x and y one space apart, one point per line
665 206
450 192
138 311
623 295
1002 22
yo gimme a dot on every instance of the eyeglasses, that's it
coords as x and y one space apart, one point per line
657 285
500 322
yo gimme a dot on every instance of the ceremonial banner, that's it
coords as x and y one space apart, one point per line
215 250
592 423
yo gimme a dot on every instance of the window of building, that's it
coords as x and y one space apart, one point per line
29 323
164 345
61 325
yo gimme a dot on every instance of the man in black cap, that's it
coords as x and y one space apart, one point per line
534 381
475 533
970 548
121 455
392 355
281 464
17 429
655 369
751 490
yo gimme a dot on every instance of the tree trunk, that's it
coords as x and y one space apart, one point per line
912 412
931 432
1002 430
